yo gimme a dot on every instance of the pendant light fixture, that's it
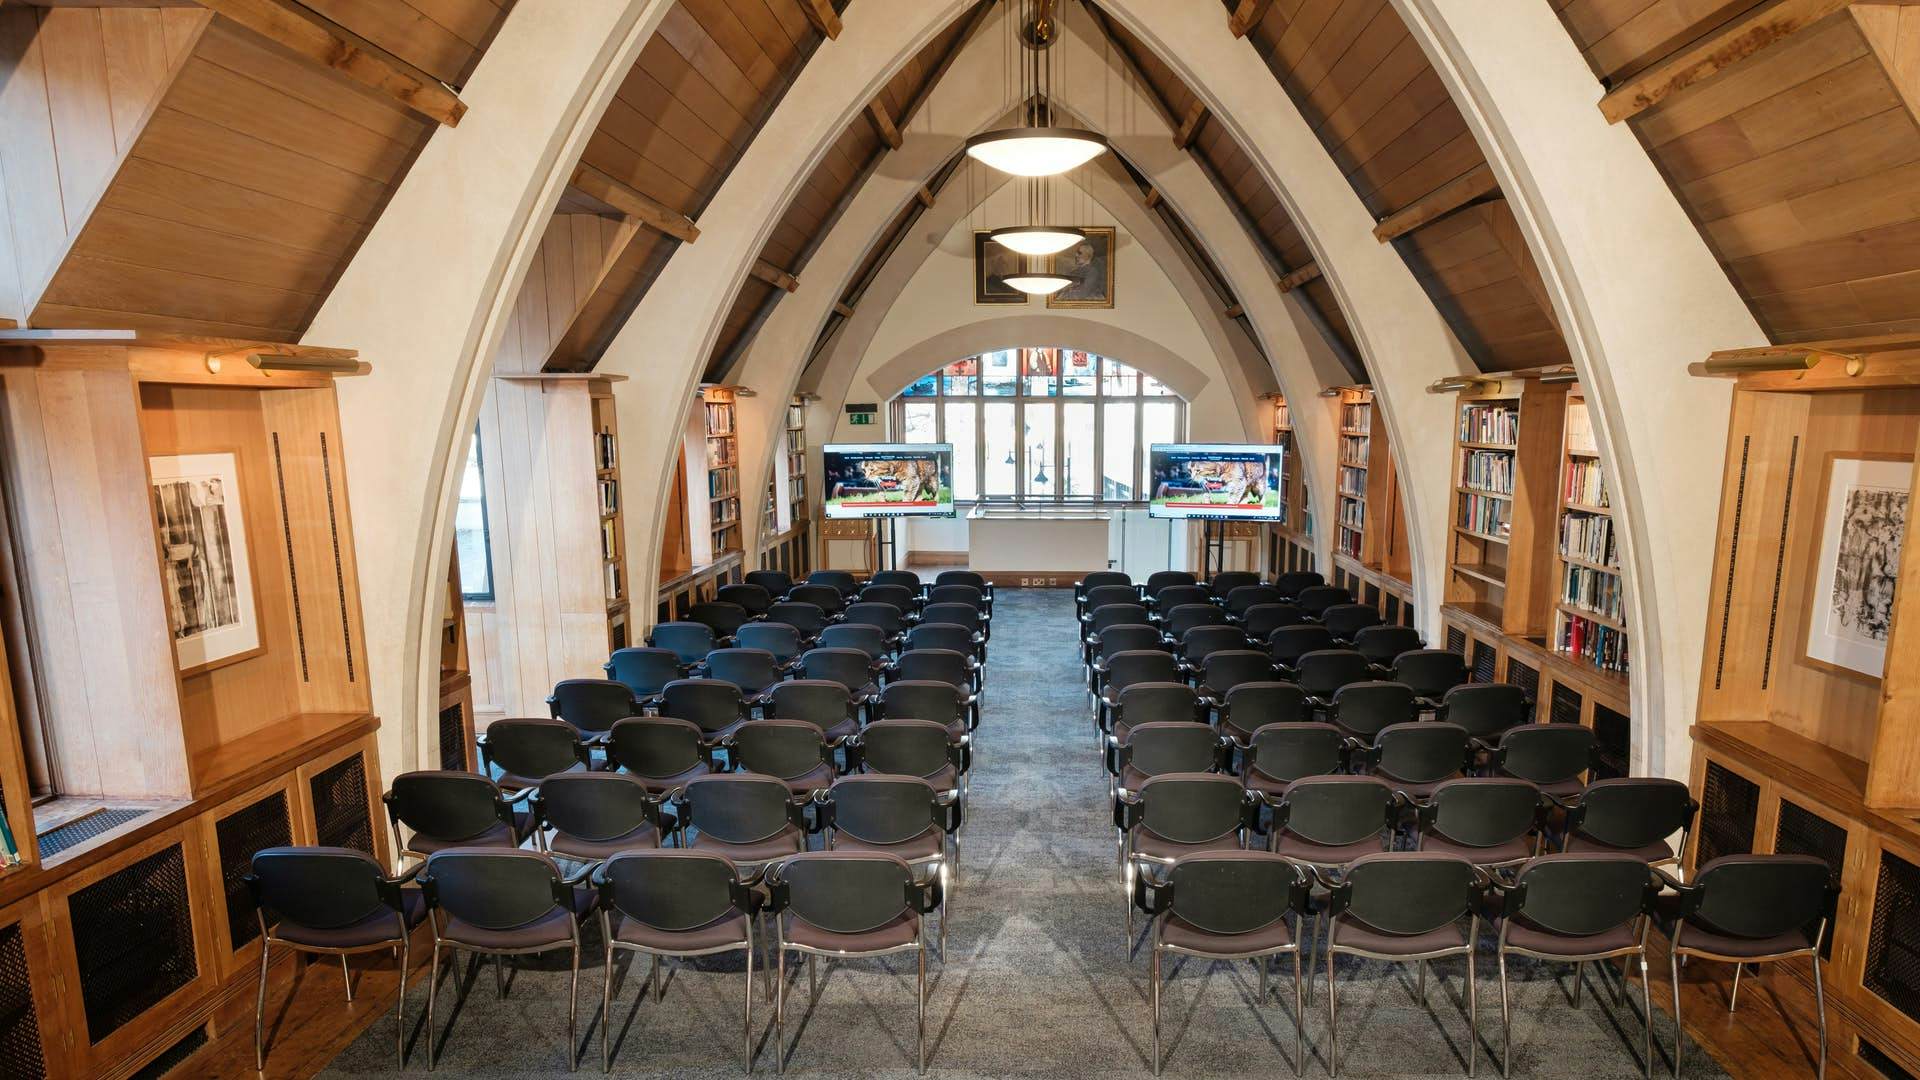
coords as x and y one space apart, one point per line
1037 147
1037 283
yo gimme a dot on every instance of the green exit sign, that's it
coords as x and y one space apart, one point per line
860 418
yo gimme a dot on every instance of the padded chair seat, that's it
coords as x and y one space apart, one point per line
1156 846
1658 851
1419 789
1704 939
1182 934
726 930
820 777
788 841
1522 935
904 930
498 836
511 781
646 836
658 785
1353 934
372 930
1564 789
928 845
553 928
1512 851
1302 850
1235 732
947 779
844 728
1255 780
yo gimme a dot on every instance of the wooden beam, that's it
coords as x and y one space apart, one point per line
843 309
883 124
1736 41
1190 124
1437 204
1296 278
1153 197
924 196
774 276
308 34
821 14
1247 16
1234 311
634 203
1506 232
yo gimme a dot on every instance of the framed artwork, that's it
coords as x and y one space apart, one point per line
1863 523
206 575
991 265
1090 264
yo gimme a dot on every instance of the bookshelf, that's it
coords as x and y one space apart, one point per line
723 469
796 443
1589 619
1356 453
1290 541
1370 555
609 505
1507 450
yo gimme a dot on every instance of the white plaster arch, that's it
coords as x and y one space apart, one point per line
992 333
1640 297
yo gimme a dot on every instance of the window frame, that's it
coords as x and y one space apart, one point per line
478 459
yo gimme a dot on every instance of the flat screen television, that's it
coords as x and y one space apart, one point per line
1214 481
870 480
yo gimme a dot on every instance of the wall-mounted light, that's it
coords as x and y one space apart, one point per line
338 365
1453 384
1747 365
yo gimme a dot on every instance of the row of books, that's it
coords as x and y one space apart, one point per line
1586 484
1602 646
796 442
613 581
1353 515
796 417
719 453
1487 470
9 847
1348 543
1489 423
605 450
1282 417
724 511
720 418
720 482
609 496
1353 481
1357 417
609 547
1594 590
1353 450
1481 514
1589 537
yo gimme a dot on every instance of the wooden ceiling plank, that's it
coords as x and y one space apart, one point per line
634 204
1733 43
330 45
773 275
883 124
1247 16
1438 203
821 14
1297 278
925 196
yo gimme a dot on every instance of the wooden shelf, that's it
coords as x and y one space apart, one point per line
1487 572
1503 496
1509 447
1489 537
1585 509
1591 616
1575 560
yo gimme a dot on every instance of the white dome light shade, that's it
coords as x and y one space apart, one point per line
1037 239
1036 151
1038 284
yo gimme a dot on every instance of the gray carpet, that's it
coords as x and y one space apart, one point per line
1038 982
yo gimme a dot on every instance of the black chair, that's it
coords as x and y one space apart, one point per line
1126 668
1552 757
1229 668
919 748
933 635
753 599
885 617
752 670
841 580
518 752
750 819
333 902
1329 821
825 597
1345 621
905 578
1633 815
1382 645
1176 814
844 904
1226 905
1197 644
794 752
776 582
1104 619
1315 599
1280 754
1150 702
1162 579
825 704
1749 909
661 752
901 597
1416 758
1100 596
961 615
1261 620
592 706
1247 597
947 666
1362 710
1108 643
1097 580
714 706
921 699
1403 906
595 815
1158 747
957 594
808 619
674 904
504 904
903 816
1431 672
850 668
783 641
1294 582
1323 672
687 640
1576 908
1223 583
1487 820
1250 706
1486 710
1173 596
443 809
967 577
865 637
1288 644
643 669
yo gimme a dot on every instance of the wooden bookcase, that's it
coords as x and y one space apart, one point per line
1505 478
1356 456
610 503
1289 540
796 448
723 470
1371 557
1589 617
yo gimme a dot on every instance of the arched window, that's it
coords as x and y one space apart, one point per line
1041 425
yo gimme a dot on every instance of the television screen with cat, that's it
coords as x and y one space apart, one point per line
864 480
1221 481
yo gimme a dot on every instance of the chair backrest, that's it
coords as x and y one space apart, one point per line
906 747
934 665
1100 596
776 582
844 892
880 809
820 702
1289 751
842 580
956 594
669 890
1431 672
1160 702
1344 621
1582 893
1099 578
825 597
1246 597
778 638
1261 620
1486 710
808 618
850 668
655 747
1336 810
1421 753
447 806
1251 706
593 805
1141 665
1315 599
1288 644
710 703
899 597
492 888
906 578
1201 642
960 614
687 640
961 577
922 699
1228 668
1762 896
876 613
1324 671
1482 811
1382 644
1127 637
592 705
1633 812
1547 753
865 637
1118 615
644 669
1192 807
1234 892
1179 621
1172 596
753 599
1368 707
1222 584
531 747
782 748
752 670
1294 582
1172 747
320 887
1407 892
738 808
937 635
1161 579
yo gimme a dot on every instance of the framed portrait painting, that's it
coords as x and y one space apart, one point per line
1090 264
991 265
1864 520
206 572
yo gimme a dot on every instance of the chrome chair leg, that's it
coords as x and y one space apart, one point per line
1153 978
1506 1021
1679 1032
399 1007
921 1010
433 986
1646 1003
260 1012
1333 1018
1820 1011
1473 1012
779 1001
1299 1019
1260 963
1733 999
746 1018
1421 992
573 1008
346 976
1579 971
606 997
500 976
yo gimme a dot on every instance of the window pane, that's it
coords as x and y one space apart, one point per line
1042 477
470 529
1116 459
999 373
1153 387
1040 370
918 422
959 376
998 440
922 387
1076 436
1157 423
966 479
1078 375
1117 379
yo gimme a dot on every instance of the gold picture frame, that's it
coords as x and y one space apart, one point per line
1090 264
991 264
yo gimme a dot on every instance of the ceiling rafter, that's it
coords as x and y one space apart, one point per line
313 36
821 14
634 203
1736 41
1297 278
1247 16
1438 203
